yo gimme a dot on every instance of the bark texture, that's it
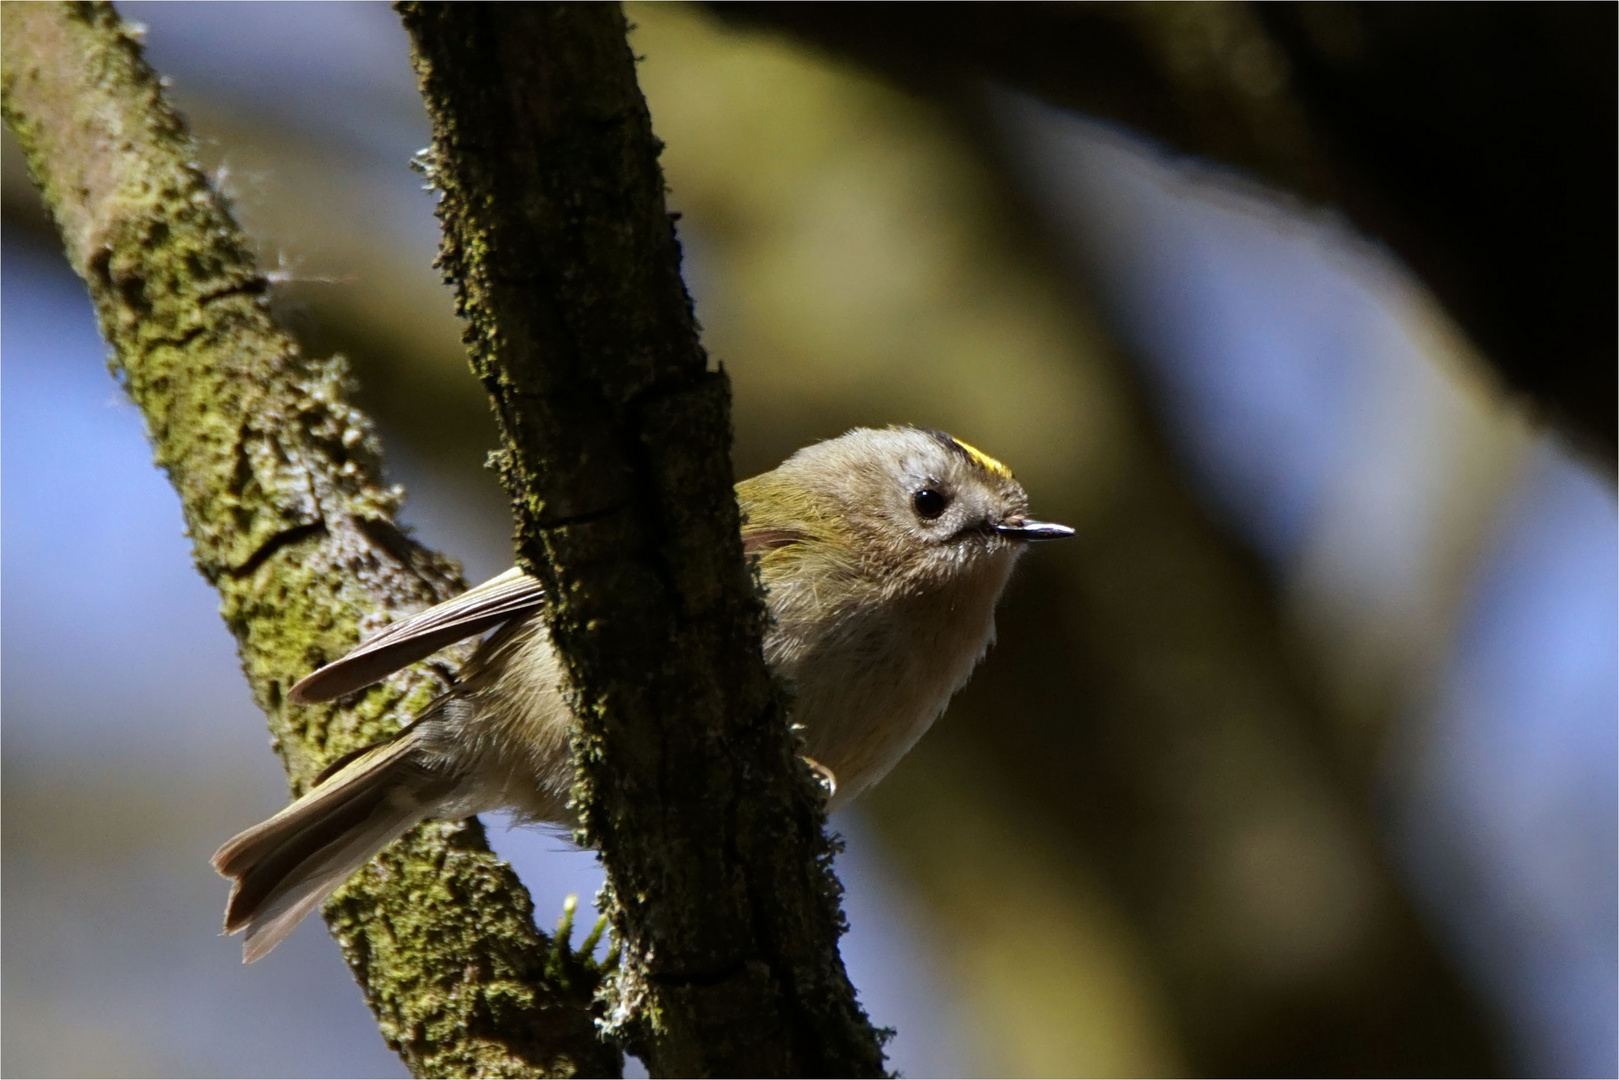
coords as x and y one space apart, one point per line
280 481
617 457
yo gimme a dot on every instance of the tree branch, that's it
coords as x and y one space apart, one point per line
617 441
280 482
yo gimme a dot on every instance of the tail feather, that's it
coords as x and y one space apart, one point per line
285 906
285 866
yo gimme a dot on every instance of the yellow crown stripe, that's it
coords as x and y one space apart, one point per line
984 461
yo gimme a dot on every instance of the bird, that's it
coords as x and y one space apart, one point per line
882 554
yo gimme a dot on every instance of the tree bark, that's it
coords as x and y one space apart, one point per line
617 457
280 482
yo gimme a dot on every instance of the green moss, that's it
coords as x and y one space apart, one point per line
280 483
616 455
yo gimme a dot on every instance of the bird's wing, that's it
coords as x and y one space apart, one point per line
511 595
760 540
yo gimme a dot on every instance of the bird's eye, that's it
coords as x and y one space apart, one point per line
930 503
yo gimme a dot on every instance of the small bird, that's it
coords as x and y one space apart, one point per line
882 554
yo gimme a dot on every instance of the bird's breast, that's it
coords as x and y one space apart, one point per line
869 680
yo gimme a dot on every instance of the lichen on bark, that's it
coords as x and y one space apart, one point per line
280 483
617 457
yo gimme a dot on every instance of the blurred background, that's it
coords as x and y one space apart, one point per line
1300 760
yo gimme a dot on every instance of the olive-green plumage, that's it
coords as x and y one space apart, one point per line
882 554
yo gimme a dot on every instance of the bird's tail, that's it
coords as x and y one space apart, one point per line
285 866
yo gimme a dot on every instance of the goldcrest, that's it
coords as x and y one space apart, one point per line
882 554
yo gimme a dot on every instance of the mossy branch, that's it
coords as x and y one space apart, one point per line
280 482
617 457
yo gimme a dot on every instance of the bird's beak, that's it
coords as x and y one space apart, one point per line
1021 528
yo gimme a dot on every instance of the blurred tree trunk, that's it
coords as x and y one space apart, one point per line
1479 141
1169 741
1185 754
